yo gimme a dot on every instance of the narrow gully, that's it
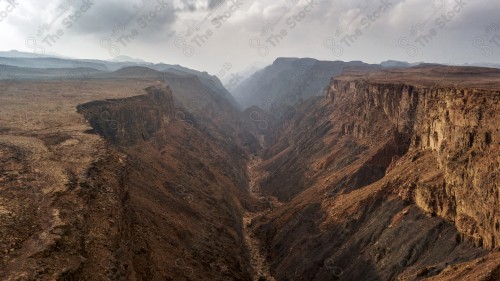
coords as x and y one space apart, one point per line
258 259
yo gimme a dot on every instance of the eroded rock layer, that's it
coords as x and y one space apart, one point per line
393 176
125 121
458 125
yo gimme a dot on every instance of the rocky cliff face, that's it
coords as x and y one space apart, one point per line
393 176
459 126
125 121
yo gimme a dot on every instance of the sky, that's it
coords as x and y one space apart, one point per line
224 37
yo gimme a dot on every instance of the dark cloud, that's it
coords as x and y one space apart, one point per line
227 33
151 15
215 3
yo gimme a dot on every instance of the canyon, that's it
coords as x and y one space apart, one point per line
156 174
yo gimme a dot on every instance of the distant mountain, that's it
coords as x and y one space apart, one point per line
52 62
126 59
395 63
243 74
47 62
121 62
18 54
33 68
8 72
483 64
289 80
136 72
403 64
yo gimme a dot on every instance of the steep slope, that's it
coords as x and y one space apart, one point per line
392 176
208 80
185 191
290 80
182 82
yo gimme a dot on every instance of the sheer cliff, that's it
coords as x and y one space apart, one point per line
392 175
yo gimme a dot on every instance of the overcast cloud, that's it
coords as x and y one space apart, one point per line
210 34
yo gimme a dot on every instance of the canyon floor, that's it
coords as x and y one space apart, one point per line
258 258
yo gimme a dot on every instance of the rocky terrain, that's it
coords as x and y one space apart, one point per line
392 176
130 187
156 174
